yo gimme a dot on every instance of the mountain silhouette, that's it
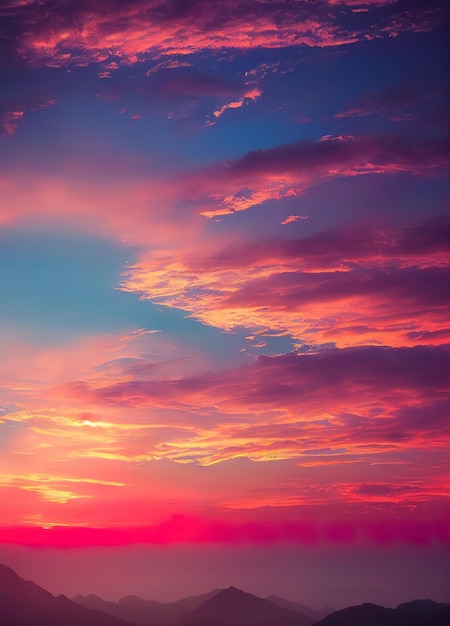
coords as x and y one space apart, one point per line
23 603
367 614
300 608
237 608
143 612
420 612
415 613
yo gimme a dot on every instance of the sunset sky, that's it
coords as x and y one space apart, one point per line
224 313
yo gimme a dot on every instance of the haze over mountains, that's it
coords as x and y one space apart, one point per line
234 607
141 611
23 603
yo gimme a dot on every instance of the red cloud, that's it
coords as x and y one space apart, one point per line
81 33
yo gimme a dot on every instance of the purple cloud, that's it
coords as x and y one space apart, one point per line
58 33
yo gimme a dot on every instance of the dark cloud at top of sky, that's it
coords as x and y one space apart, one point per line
61 33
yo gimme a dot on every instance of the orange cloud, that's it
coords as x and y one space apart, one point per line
252 94
359 399
128 430
291 218
341 287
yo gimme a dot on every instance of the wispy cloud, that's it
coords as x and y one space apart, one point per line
360 399
336 286
176 89
13 109
252 94
284 171
392 99
164 207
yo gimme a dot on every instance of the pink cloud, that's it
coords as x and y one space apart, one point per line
366 410
182 90
292 218
152 28
390 393
168 65
252 94
338 280
12 111
11 121
424 244
105 430
164 208
284 171
78 199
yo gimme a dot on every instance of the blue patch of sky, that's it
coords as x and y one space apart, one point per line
372 199
57 288
322 83
8 408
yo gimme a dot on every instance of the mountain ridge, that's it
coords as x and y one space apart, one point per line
414 613
142 611
316 614
233 606
24 603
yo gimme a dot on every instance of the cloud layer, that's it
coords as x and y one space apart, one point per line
343 286
225 306
58 34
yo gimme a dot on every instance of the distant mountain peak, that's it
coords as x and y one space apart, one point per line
232 591
315 614
24 603
5 570
133 598
239 608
